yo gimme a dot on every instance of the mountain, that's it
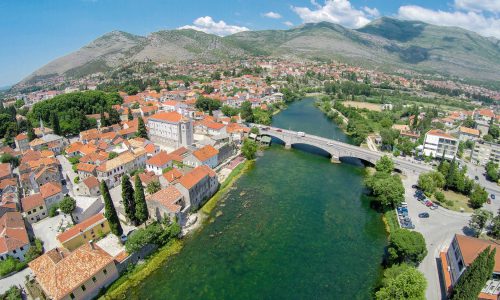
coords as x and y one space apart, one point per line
386 43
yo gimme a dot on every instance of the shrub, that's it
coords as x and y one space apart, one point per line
10 265
439 196
76 180
53 210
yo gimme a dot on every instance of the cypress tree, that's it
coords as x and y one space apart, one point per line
110 211
31 132
128 199
141 129
141 208
54 121
104 122
129 115
473 279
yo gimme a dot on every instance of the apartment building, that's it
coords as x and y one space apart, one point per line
484 152
111 171
438 142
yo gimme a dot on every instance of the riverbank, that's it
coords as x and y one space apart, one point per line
121 287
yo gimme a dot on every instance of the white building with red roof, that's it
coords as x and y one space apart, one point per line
166 203
170 128
198 186
438 142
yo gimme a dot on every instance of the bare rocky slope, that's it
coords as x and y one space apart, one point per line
387 44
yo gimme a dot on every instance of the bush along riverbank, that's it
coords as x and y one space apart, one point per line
122 287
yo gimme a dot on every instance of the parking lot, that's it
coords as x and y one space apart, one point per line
438 230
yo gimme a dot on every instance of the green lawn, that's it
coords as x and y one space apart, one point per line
455 201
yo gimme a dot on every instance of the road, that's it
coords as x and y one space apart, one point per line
490 187
438 231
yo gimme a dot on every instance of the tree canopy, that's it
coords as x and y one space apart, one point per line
402 282
249 149
141 208
406 246
110 211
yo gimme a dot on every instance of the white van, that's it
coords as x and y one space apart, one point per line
300 133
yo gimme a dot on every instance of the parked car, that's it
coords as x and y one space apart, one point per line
476 178
488 200
301 133
279 130
329 144
414 186
423 215
492 196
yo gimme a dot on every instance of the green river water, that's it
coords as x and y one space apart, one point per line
294 227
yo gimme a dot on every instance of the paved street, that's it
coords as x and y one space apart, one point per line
16 279
438 231
491 187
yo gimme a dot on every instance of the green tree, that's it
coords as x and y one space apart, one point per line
141 208
141 129
67 205
388 189
31 132
110 211
112 155
469 122
54 122
246 111
478 197
407 246
128 199
153 187
129 115
207 104
474 278
479 220
401 283
384 164
9 158
249 149
428 182
492 171
495 226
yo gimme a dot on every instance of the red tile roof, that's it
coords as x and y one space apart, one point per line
13 233
81 227
60 272
160 159
32 201
171 117
50 189
168 198
438 132
172 175
196 175
91 182
205 153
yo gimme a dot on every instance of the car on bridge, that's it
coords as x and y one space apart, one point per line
300 133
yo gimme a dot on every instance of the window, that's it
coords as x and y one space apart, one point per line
102 225
21 248
72 296
105 271
14 251
94 279
41 207
83 287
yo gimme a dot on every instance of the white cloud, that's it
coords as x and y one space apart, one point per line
372 11
288 23
471 20
208 25
336 11
272 15
478 5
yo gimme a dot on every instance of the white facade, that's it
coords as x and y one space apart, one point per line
171 133
436 143
484 152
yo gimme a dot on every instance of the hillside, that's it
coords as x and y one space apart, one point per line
388 44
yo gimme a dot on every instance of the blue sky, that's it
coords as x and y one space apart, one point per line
34 32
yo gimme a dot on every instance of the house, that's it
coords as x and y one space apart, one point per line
438 142
206 155
79 275
90 186
50 141
198 186
159 162
14 240
485 115
171 176
88 230
170 128
5 171
166 203
22 142
460 254
86 207
34 208
85 170
484 152
51 193
468 134
112 170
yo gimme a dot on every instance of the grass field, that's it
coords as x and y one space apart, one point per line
369 106
455 201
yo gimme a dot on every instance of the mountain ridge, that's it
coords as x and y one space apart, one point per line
386 43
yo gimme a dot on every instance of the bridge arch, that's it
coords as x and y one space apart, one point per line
312 149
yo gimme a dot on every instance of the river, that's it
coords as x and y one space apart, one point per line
295 226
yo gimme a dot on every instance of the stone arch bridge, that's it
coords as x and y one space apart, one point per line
339 150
